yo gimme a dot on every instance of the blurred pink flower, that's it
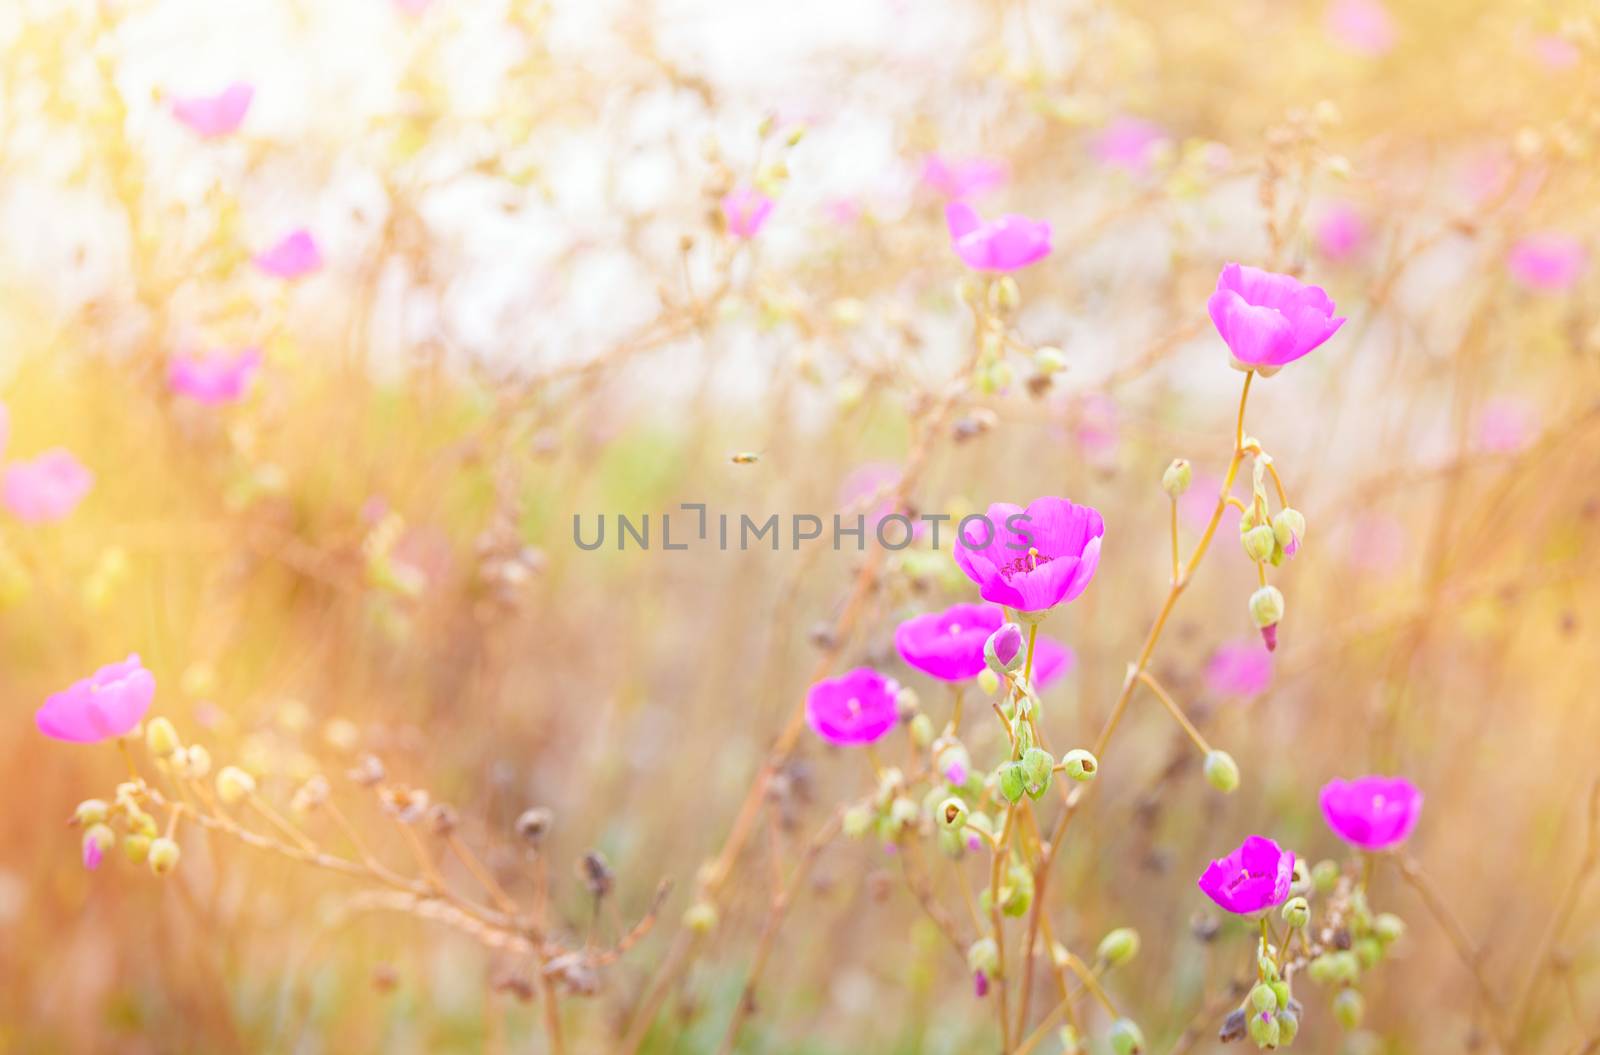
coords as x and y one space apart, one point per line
1363 26
948 645
1269 320
5 427
93 854
1555 52
1372 813
1342 232
292 256
109 703
1239 668
959 178
855 708
214 379
1200 501
214 115
1505 425
1052 661
1377 542
1548 261
1252 879
842 211
412 7
746 210
47 488
1004 244
1131 144
1097 433
868 479
1032 559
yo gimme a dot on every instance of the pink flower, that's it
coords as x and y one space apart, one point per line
1130 144
93 852
1200 501
1004 645
948 645
215 115
1252 879
1240 668
1555 52
1549 261
214 379
1006 244
1031 559
1363 26
1098 429
745 210
1341 233
1052 661
108 704
960 178
1377 543
1269 320
1372 813
294 255
47 488
856 708
1505 425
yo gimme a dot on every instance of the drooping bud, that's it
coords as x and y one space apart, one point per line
192 762
1221 771
1369 951
857 821
1118 947
1325 876
1234 1026
1080 765
1037 767
921 731
136 847
1179 475
1264 1029
1388 928
163 856
1263 998
1288 1026
983 957
1266 611
1013 783
1259 542
1126 1038
906 701
234 785
700 917
1016 895
96 841
1288 528
1003 650
1349 1008
1297 912
1049 360
951 814
161 737
90 811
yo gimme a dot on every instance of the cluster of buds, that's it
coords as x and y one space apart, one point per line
141 840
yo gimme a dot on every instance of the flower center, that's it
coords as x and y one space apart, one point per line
1023 564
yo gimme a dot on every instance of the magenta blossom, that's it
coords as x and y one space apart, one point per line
1269 320
1548 262
47 488
1252 879
855 708
1005 244
948 645
1363 26
214 379
109 703
1372 813
217 115
1052 661
292 256
1031 559
960 178
745 211
1130 144
1240 668
1004 645
1342 232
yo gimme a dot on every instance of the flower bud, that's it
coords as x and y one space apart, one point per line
1369 951
1348 1008
1264 1029
163 856
1300 879
1325 876
903 814
1003 650
1004 294
921 731
857 820
90 811
1049 360
1179 475
1262 998
192 762
161 737
1221 771
906 701
1080 765
533 824
955 765
141 823
1016 895
988 682
1388 927
983 956
136 847
1266 611
1297 912
1013 783
700 917
97 839
1280 989
951 814
1071 1042
1118 947
234 785
1288 528
1125 1037
1288 1026
1037 767
1259 542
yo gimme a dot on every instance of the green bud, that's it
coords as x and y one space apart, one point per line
1348 1008
903 813
1288 528
1222 772
1179 475
1264 1029
1266 607
1080 765
1346 966
234 785
1259 542
136 847
161 737
90 811
951 844
1288 1026
1013 782
1016 895
857 822
1004 294
984 955
1297 912
1262 998
921 730
988 682
1388 928
1326 876
1118 947
163 856
1321 970
1126 1037
700 917
1049 360
141 823
1071 1043
1369 951
1037 768
1280 989
952 814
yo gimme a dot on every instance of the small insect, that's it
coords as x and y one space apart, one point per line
745 458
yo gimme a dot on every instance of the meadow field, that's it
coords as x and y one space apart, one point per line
892 526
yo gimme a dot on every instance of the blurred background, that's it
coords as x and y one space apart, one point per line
525 307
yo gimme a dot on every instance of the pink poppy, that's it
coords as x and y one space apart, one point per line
1031 559
855 708
1240 668
214 379
1372 813
1005 244
1252 879
47 488
215 115
948 645
292 256
109 703
1269 320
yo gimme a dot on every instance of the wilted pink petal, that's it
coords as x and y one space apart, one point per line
1240 668
1342 232
215 115
47 488
294 255
959 178
109 703
1363 26
1549 261
1505 425
745 210
214 379
1004 244
1130 144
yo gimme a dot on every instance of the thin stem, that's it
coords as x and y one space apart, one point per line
1177 712
1412 873
997 922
